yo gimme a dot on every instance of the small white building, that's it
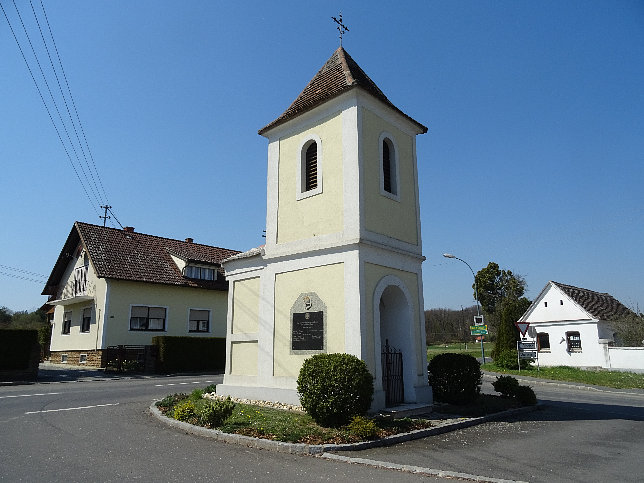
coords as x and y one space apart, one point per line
571 327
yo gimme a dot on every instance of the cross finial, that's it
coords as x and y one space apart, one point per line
341 27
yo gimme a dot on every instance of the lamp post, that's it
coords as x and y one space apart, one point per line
476 291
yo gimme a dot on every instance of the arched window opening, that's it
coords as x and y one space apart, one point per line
311 167
389 180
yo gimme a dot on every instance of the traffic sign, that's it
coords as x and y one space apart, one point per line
527 354
478 320
477 331
526 345
523 327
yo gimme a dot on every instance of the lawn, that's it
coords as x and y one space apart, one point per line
471 348
614 379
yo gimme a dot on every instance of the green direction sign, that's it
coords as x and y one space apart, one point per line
478 329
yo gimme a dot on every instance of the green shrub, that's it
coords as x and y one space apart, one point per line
17 349
185 411
506 385
171 400
335 387
507 359
214 413
525 395
210 388
363 428
196 394
455 378
186 354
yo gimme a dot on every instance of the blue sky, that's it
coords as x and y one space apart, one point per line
534 157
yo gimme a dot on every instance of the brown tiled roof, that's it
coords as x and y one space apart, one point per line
602 306
123 255
339 74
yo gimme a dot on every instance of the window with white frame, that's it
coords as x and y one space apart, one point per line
143 317
573 340
201 273
389 185
67 322
309 176
199 320
87 319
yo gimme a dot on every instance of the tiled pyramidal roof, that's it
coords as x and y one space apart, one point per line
602 306
127 255
339 74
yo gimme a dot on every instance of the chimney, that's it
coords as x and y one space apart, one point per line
189 240
129 229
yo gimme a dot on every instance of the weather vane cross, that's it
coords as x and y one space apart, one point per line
341 27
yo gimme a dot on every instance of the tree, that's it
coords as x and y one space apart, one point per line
5 316
501 296
629 330
494 285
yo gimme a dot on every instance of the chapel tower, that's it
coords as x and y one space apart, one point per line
341 268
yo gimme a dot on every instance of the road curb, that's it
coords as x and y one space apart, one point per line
323 449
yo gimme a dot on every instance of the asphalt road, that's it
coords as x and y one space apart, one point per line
581 434
94 428
100 430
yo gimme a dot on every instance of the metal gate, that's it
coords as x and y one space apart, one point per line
127 358
392 375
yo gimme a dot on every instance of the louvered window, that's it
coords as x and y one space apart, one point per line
199 320
389 184
386 167
311 167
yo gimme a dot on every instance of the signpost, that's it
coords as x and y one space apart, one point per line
526 349
478 330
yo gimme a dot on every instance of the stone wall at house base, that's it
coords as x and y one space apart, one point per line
89 358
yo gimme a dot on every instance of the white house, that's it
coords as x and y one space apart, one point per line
341 268
571 327
118 287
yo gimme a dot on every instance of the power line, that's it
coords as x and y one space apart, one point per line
21 270
33 78
71 97
21 277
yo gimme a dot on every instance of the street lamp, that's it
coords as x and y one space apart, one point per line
476 291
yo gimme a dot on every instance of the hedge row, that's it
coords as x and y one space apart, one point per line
188 354
16 348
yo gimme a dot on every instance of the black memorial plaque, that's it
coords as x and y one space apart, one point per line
308 331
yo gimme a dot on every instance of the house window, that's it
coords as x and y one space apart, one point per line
199 320
573 339
309 176
67 322
87 318
82 359
543 342
201 273
63 358
147 318
388 167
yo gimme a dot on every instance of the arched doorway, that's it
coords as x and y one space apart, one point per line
393 324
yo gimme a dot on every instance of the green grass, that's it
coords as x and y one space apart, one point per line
289 426
473 349
614 379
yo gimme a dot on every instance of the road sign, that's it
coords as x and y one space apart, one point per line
478 330
478 320
526 345
523 327
527 354
478 327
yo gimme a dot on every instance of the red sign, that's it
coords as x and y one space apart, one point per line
523 327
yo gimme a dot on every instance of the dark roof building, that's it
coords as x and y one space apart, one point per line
128 255
602 306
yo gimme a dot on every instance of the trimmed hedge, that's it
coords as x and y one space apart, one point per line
190 354
16 348
455 378
334 388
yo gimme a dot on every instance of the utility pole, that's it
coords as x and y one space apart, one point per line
105 217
